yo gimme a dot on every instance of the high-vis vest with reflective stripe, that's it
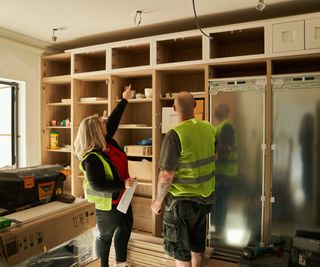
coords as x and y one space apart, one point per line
102 200
195 173
227 167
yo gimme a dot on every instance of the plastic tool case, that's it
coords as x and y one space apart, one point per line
26 187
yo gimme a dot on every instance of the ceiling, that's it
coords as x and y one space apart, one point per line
86 22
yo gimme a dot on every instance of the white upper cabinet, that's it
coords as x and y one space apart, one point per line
312 32
296 35
288 36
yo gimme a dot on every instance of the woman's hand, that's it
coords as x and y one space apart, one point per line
127 92
129 182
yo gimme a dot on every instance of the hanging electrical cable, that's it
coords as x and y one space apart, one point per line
197 23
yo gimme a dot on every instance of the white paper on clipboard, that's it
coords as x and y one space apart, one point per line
126 198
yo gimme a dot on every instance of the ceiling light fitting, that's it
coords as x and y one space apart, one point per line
137 18
260 5
54 38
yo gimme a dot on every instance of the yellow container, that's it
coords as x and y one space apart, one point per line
54 140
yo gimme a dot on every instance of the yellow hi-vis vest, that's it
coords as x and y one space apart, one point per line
227 167
102 200
194 176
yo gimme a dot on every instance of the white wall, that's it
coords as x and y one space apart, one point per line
22 63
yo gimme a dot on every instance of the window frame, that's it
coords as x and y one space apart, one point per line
14 121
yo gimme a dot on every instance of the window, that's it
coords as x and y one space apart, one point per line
8 124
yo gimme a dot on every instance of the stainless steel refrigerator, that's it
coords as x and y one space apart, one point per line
235 218
296 153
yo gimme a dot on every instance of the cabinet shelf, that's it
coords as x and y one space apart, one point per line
90 61
60 150
174 81
239 69
138 100
131 56
101 102
300 64
58 127
234 43
59 104
132 126
56 68
92 76
179 50
62 79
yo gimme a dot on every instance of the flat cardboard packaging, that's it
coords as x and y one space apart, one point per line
140 169
45 227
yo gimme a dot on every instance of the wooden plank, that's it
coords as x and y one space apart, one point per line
142 253
58 57
62 79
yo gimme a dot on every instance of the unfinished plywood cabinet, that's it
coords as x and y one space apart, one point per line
91 96
90 61
179 49
88 80
130 55
56 109
237 42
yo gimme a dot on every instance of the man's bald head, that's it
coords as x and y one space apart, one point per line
184 104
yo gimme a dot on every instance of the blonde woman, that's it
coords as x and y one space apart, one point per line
105 167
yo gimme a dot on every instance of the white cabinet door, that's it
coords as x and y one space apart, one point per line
288 36
312 32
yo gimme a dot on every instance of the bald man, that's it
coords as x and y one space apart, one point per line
186 184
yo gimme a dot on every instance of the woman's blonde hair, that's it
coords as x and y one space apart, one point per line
89 136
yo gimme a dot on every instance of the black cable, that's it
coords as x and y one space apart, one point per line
197 23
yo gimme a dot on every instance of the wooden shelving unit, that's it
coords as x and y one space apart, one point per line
56 87
168 64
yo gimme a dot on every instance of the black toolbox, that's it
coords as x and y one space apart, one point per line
26 187
306 248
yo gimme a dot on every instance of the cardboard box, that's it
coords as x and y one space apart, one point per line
138 151
45 227
199 116
140 169
199 108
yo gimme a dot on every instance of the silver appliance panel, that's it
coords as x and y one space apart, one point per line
235 219
296 155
